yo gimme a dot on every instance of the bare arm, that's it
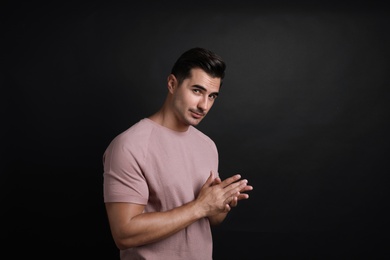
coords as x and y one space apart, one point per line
131 227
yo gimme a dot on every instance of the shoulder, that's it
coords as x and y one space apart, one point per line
134 136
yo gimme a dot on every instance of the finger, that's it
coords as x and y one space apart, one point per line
246 188
234 202
209 180
217 181
234 188
230 199
230 180
242 196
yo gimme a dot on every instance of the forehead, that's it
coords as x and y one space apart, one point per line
200 78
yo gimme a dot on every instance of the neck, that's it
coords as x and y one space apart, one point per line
166 118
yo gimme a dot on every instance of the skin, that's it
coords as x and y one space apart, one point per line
186 104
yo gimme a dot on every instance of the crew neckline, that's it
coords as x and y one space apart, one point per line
167 128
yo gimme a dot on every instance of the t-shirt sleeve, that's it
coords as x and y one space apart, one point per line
123 179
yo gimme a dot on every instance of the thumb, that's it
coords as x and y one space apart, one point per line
210 179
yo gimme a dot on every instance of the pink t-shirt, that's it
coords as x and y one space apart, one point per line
162 169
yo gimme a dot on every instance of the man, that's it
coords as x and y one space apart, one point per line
161 186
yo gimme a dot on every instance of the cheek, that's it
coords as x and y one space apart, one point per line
188 99
181 102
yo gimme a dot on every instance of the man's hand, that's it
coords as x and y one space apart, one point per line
217 196
240 196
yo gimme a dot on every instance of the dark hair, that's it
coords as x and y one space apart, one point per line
201 58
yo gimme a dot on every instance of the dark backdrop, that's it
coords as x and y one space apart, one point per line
303 115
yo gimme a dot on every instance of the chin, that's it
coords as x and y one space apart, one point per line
196 122
193 121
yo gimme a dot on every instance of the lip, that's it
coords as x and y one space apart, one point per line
197 115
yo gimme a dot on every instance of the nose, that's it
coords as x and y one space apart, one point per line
203 103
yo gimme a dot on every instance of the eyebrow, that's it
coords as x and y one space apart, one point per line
204 89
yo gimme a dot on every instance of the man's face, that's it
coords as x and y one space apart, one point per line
193 99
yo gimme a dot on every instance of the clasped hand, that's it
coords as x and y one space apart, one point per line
217 196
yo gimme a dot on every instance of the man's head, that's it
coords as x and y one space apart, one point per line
193 87
201 58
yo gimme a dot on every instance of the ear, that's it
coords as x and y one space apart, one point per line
172 83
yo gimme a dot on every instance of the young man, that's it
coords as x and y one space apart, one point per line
161 186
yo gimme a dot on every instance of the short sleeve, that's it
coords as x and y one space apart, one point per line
123 178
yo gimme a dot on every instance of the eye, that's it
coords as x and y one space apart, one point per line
197 91
213 96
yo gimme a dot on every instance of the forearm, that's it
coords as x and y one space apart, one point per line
146 228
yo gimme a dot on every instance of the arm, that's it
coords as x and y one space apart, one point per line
131 227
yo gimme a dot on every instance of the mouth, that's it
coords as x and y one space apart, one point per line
197 114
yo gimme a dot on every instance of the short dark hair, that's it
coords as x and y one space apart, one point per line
201 58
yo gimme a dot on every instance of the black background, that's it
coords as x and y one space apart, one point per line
303 115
